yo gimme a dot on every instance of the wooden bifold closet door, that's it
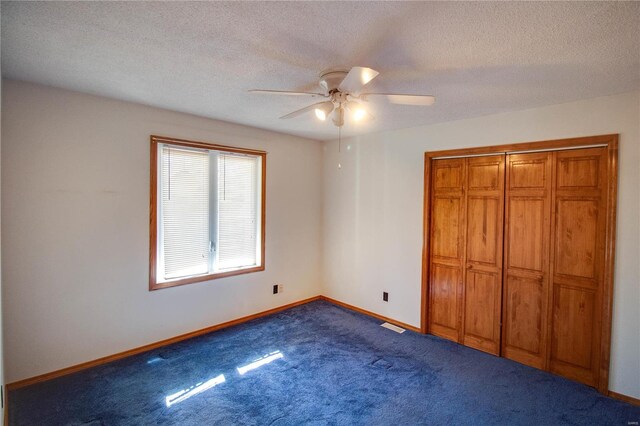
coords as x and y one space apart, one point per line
579 208
554 261
526 257
466 251
520 257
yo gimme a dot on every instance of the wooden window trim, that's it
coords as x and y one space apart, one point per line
611 143
154 284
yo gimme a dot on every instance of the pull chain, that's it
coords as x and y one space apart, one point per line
339 145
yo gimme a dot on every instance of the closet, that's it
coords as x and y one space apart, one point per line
519 252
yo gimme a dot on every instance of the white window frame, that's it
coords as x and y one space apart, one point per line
156 255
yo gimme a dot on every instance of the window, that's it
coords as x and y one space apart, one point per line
207 212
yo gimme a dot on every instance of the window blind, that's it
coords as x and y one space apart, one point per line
237 211
184 184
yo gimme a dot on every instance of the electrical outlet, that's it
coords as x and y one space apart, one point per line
280 288
275 289
385 296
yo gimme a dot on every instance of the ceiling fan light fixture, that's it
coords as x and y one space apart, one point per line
323 110
338 117
359 113
343 90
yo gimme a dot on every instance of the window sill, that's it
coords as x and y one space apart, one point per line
190 280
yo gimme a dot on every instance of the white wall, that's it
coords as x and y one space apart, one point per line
75 224
373 210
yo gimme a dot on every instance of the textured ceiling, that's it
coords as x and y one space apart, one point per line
478 58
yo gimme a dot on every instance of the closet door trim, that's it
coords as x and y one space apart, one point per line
611 142
488 154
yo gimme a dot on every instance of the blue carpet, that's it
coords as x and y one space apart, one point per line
314 364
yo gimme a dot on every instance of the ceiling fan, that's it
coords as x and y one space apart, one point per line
342 91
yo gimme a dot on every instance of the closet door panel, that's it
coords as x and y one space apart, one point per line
482 311
444 307
447 248
448 174
483 272
485 174
578 263
524 333
446 226
573 325
576 237
579 169
527 224
526 266
483 243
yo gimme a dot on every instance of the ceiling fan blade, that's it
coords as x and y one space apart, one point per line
286 93
395 98
356 79
301 111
